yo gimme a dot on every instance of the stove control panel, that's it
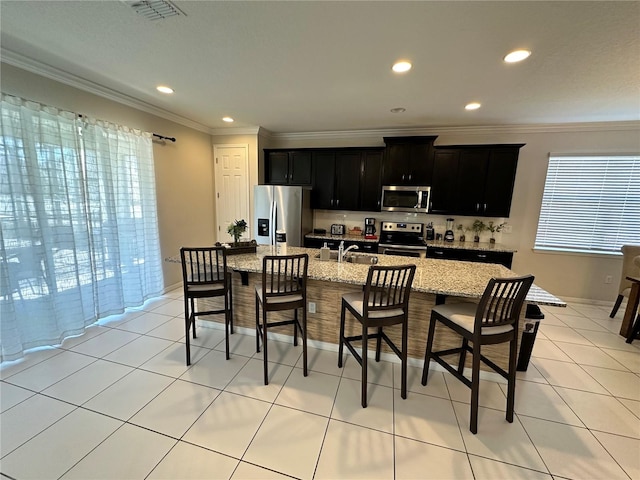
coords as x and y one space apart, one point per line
403 227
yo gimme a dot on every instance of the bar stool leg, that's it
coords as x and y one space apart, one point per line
365 341
341 344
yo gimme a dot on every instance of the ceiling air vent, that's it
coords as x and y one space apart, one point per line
155 9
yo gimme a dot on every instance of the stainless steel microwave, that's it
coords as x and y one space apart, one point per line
405 199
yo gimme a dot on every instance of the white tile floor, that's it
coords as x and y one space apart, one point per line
119 402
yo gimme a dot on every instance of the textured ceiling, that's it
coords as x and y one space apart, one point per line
325 66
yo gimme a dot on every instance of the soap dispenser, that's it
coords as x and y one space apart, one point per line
341 251
325 254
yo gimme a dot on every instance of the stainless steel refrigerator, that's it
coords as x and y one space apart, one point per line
285 208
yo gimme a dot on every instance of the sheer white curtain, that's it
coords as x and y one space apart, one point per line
78 224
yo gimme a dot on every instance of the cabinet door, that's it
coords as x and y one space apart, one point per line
277 168
420 164
300 168
444 181
347 176
370 181
323 180
501 175
396 165
472 174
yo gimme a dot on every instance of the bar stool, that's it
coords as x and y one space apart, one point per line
494 320
283 287
630 268
205 275
385 302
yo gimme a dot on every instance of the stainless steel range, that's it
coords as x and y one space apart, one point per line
401 238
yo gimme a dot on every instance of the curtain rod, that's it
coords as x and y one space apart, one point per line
162 137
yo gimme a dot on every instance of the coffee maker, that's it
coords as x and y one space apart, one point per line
448 234
369 227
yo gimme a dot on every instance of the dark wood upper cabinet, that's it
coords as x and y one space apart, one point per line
444 181
347 191
371 180
324 172
346 179
474 179
290 167
408 160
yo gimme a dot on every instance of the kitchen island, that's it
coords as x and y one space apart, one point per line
435 281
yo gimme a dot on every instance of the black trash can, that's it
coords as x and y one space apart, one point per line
532 316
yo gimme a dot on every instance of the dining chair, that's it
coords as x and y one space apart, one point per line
493 320
205 276
283 287
629 269
384 302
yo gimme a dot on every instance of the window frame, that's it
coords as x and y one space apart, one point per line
607 180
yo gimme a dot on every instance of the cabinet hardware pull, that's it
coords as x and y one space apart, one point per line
439 253
477 207
482 255
409 176
332 202
403 176
338 202
485 208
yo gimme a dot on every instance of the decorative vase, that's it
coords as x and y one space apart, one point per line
476 238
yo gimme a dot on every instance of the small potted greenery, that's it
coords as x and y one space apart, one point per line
463 230
478 227
236 229
493 228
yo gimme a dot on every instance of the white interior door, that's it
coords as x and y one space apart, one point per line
232 188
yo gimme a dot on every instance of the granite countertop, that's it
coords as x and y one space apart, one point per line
441 277
484 246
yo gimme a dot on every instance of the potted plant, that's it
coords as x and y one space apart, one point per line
493 228
236 229
478 227
463 230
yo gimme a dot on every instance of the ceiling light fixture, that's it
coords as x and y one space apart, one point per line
398 110
472 106
517 56
227 119
164 89
401 67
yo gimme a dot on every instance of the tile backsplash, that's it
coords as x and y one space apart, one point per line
324 219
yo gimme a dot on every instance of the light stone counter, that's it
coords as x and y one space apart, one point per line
434 276
483 246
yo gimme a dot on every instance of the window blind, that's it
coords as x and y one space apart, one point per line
590 204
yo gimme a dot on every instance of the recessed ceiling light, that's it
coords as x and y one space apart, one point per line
398 110
517 56
227 119
164 89
472 106
401 67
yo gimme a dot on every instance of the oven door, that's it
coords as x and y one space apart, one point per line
403 250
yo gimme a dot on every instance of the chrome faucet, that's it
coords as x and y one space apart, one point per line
344 252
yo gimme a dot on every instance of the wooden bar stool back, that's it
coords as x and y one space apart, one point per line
494 320
385 302
205 275
283 287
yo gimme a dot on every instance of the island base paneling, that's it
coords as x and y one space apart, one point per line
324 325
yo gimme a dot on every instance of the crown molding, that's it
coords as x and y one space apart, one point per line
44 70
475 130
235 131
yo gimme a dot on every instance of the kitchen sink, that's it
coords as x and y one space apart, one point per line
359 258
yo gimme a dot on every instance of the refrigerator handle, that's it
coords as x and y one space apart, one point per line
273 216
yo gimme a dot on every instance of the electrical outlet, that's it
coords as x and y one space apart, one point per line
312 307
608 279
507 229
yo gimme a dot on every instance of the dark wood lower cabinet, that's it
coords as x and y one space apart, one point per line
481 256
